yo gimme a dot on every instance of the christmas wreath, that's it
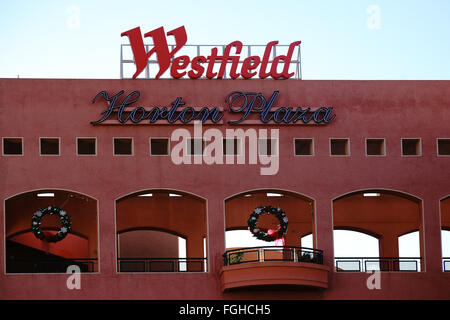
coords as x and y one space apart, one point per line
269 235
36 224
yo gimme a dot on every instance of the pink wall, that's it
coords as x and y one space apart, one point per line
389 109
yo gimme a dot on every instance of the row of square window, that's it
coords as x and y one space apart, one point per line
160 146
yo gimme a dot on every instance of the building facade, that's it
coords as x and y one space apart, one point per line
378 163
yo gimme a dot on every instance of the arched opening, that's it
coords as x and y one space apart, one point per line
389 217
307 241
350 246
136 245
161 231
241 238
296 244
51 247
445 233
351 243
409 250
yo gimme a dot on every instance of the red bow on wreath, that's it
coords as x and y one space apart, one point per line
278 239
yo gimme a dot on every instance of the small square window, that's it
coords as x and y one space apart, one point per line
339 147
267 147
49 146
12 146
443 146
195 146
375 147
231 146
159 146
411 147
303 147
123 146
86 146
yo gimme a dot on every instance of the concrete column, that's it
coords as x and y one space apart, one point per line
107 233
194 249
431 235
216 231
388 244
324 229
194 245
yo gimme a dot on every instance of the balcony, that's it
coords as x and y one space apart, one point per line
273 266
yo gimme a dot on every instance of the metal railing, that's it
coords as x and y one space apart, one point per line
263 254
49 265
446 264
198 49
366 264
162 264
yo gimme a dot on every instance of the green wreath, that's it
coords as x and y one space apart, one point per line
36 224
263 235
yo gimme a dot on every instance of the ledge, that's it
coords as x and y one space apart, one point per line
273 273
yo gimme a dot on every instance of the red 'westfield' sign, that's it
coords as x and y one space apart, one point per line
196 67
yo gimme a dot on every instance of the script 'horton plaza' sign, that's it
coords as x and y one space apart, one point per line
240 103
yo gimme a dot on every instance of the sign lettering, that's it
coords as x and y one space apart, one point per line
200 64
238 102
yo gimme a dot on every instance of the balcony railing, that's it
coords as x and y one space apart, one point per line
366 264
49 265
161 264
262 254
446 264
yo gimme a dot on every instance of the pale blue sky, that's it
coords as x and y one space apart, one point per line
340 39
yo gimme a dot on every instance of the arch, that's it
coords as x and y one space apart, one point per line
74 246
62 200
408 232
385 214
43 190
153 229
82 210
148 243
156 201
360 230
46 229
299 208
276 190
166 190
379 190
363 244
171 211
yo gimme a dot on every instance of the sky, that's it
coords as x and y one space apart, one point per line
341 39
345 39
